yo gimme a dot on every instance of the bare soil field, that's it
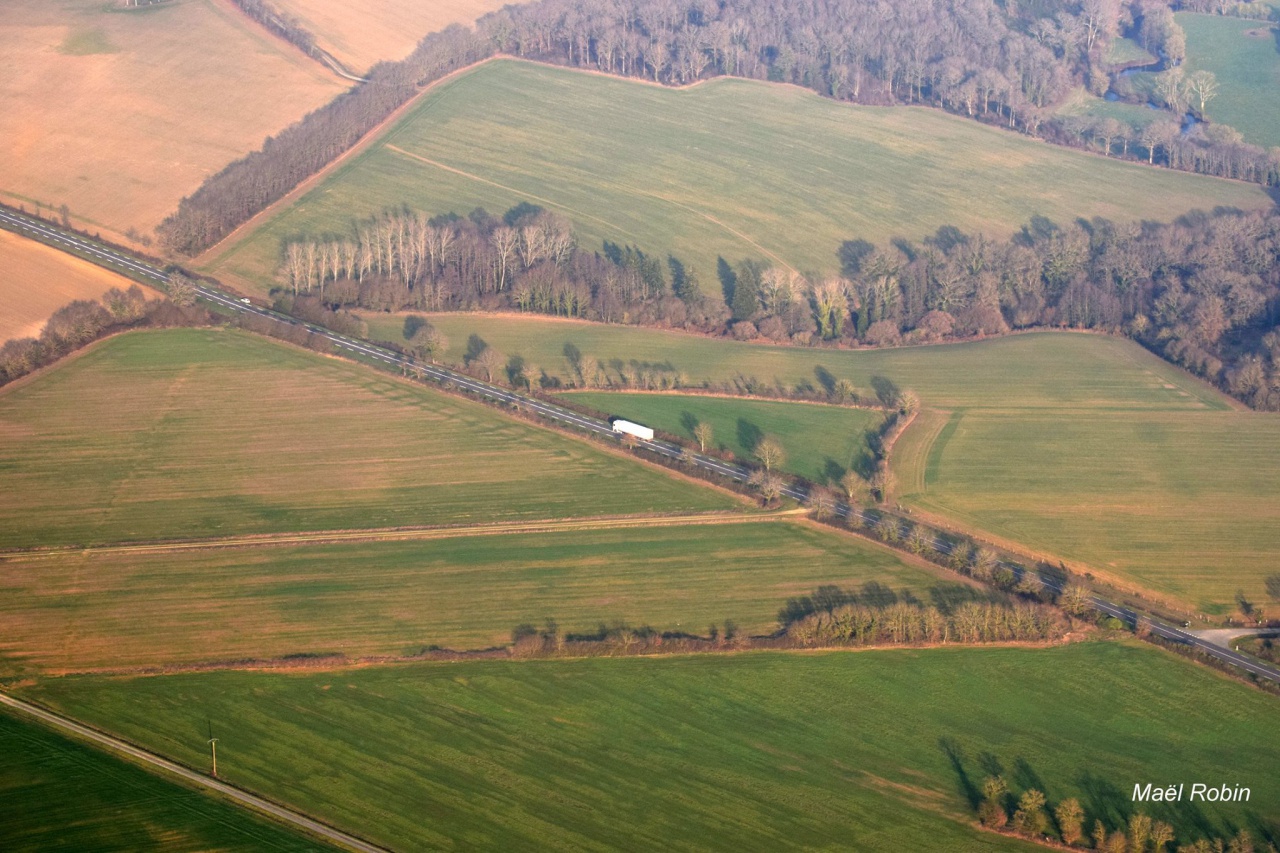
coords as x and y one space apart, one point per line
360 36
39 280
120 113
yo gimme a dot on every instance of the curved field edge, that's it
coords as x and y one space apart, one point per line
59 794
1044 369
878 749
652 166
821 442
201 432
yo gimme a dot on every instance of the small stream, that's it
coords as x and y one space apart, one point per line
1189 121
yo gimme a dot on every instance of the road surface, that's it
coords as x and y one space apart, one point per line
290 817
114 259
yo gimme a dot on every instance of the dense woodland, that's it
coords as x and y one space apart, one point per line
1009 64
1204 292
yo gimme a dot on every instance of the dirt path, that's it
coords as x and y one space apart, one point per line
468 175
1223 637
407 534
170 768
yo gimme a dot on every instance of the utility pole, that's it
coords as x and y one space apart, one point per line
213 748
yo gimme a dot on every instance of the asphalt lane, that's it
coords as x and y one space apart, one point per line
57 721
108 256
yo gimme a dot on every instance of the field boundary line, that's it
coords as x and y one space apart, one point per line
155 762
406 534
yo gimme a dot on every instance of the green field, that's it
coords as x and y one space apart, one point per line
1135 116
1245 57
822 442
57 794
861 750
1184 504
189 433
79 613
1032 371
730 168
1124 51
1082 447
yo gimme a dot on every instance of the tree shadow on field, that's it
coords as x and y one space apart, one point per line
876 595
728 279
515 369
948 596
475 346
689 421
832 471
412 324
1103 800
955 755
749 435
1025 776
887 391
990 764
825 378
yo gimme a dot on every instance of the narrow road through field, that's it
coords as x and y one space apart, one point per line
289 816
362 350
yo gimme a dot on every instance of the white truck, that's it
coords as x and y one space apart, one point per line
623 427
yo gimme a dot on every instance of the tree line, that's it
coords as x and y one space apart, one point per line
248 185
1203 291
1003 63
79 323
913 623
1028 815
280 23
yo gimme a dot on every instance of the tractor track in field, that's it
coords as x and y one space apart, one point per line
403 534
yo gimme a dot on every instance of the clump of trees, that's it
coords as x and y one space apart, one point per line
1028 816
81 322
528 260
867 623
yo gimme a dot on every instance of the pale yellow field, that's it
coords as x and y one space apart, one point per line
360 36
36 280
119 114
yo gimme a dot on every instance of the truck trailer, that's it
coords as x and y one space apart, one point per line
623 427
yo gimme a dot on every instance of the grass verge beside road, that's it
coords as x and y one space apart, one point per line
60 795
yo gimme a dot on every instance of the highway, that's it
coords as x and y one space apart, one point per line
113 259
64 724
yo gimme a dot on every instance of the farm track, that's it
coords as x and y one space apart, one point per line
365 352
404 534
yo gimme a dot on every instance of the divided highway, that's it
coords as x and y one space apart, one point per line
113 259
